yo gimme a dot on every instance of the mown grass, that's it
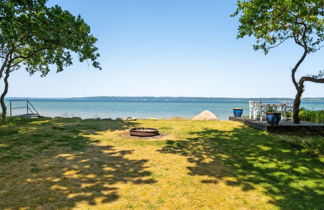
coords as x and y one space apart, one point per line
94 164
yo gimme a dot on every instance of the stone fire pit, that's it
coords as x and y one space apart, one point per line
144 132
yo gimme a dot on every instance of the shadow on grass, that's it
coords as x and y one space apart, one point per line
253 158
50 164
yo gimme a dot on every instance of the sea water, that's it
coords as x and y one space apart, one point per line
145 107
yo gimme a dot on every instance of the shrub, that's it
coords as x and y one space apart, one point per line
312 116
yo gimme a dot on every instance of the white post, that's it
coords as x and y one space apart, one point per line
250 109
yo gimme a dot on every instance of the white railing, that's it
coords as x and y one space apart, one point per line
258 110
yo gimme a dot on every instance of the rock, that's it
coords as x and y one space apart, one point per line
130 119
205 115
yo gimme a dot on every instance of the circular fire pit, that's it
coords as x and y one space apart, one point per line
144 132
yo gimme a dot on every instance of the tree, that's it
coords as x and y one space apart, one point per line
273 22
34 36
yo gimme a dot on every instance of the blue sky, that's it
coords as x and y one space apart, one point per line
170 48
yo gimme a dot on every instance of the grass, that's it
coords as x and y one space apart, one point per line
93 164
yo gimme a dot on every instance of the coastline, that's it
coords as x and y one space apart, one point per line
140 109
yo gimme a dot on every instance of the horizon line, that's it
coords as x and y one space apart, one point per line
210 97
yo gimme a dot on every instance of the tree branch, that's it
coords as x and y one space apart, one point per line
297 40
4 65
6 61
303 45
282 41
294 70
311 79
30 55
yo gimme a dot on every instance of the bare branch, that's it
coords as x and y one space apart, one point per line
319 75
317 78
311 79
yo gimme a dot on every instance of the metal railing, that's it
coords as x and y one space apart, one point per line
30 109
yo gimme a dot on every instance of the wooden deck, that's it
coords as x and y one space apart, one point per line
284 126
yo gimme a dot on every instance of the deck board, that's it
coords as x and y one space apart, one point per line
283 127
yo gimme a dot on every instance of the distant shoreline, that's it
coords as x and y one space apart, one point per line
145 107
164 99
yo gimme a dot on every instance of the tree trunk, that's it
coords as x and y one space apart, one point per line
299 86
3 95
296 106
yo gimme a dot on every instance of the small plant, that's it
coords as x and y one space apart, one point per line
273 117
288 114
270 109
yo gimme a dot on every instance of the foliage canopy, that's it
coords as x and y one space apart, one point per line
272 22
36 36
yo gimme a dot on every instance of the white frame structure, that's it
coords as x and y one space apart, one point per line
258 110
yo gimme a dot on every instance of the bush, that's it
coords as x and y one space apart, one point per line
311 116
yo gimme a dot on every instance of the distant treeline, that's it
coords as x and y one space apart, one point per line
312 116
173 99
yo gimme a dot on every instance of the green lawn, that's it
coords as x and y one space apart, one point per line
94 164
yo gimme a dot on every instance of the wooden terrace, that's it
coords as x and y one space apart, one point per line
283 126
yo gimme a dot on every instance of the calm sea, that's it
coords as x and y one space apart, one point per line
146 107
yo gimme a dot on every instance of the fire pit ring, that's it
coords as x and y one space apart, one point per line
144 132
